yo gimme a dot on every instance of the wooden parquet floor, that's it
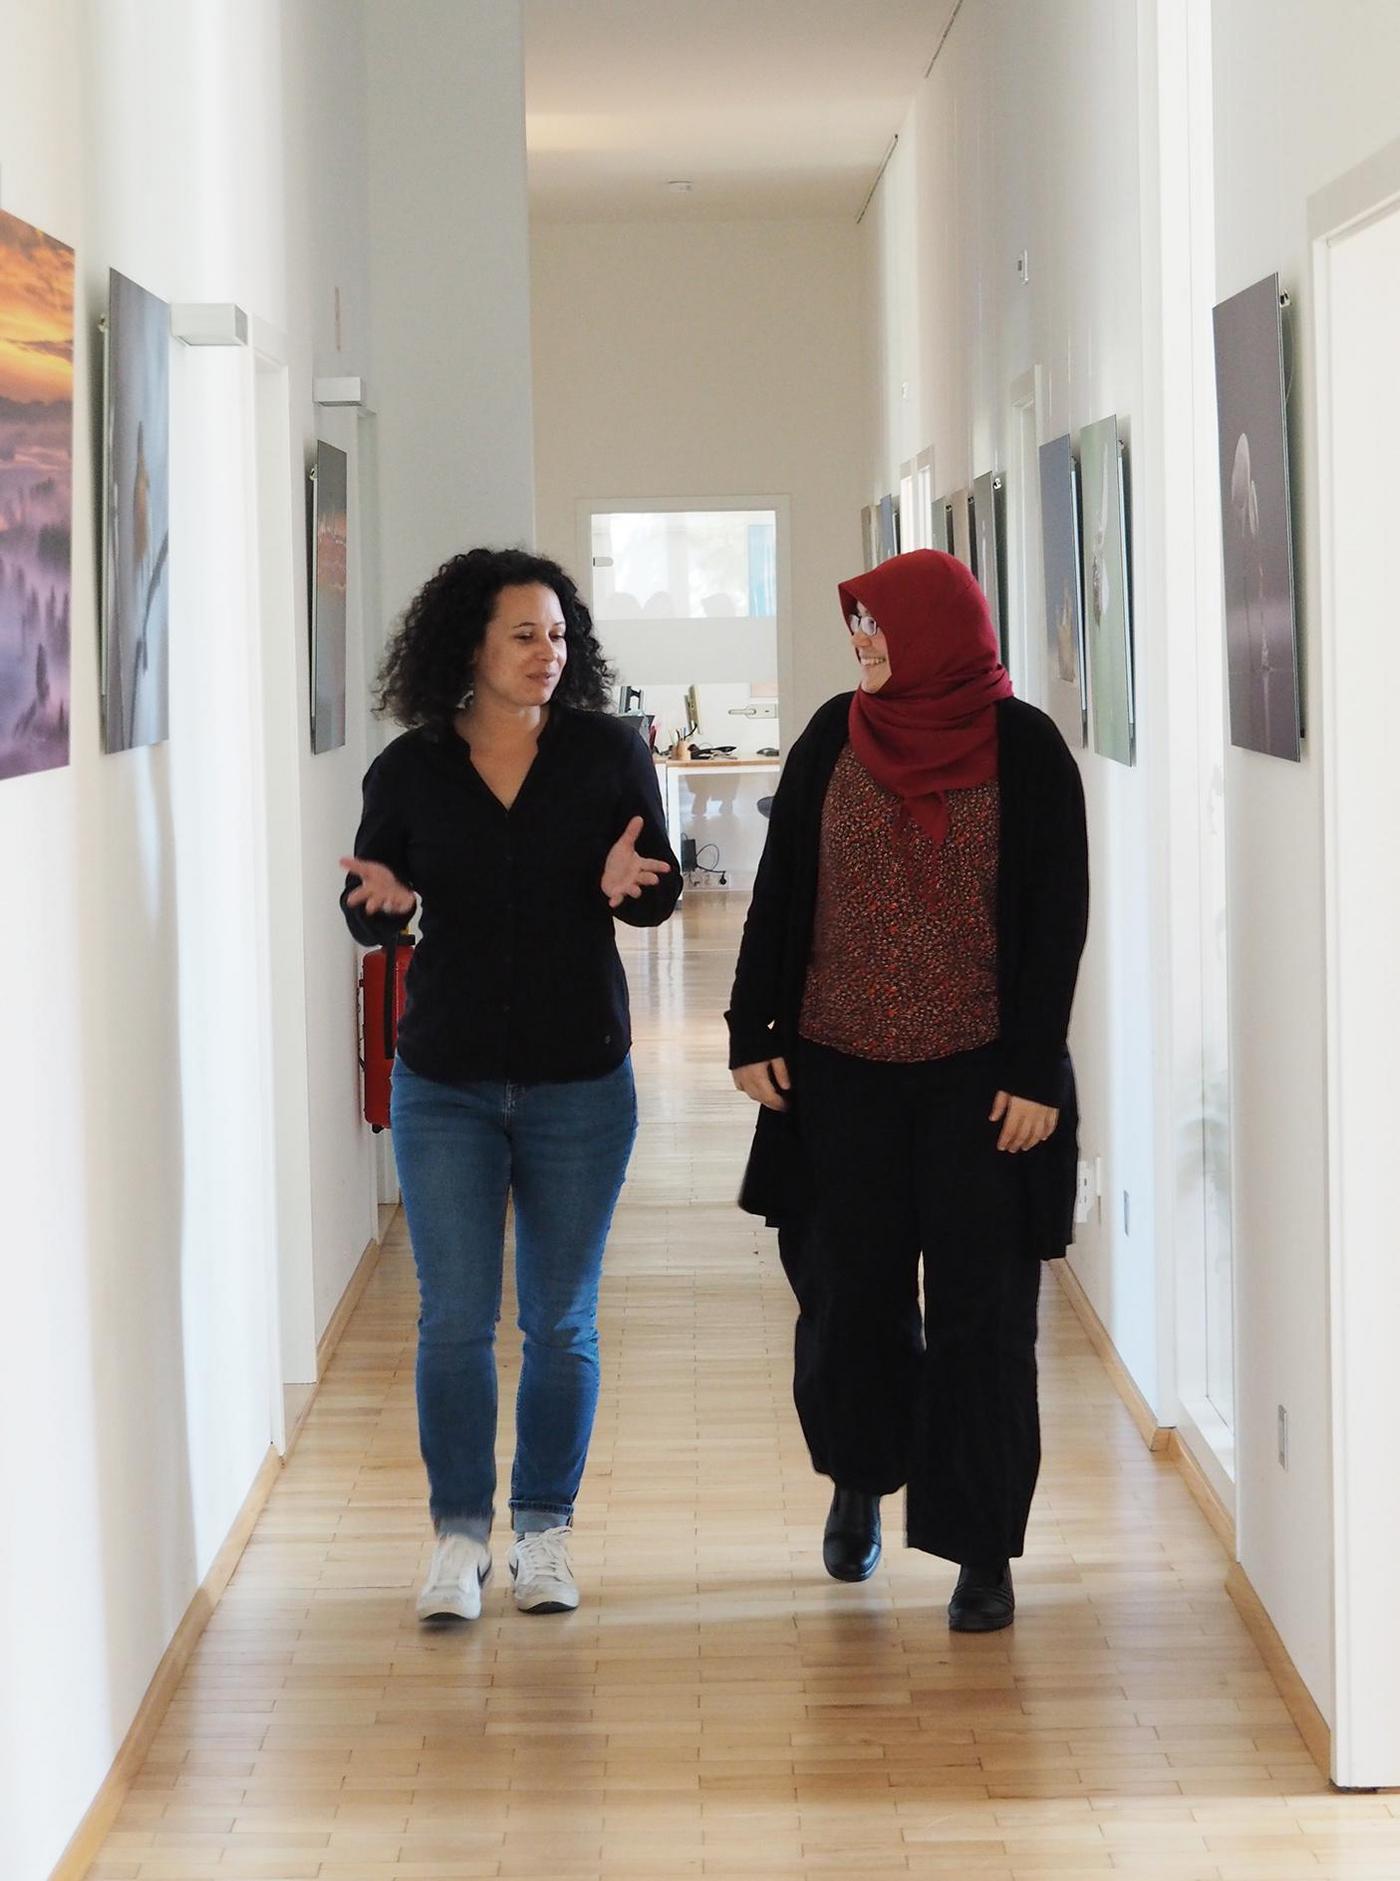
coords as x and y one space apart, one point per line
717 1707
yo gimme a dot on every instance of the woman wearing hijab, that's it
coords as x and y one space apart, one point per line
900 1011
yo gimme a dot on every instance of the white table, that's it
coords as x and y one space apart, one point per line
715 800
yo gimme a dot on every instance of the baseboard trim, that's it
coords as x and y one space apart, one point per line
1165 1441
349 1300
330 1339
1313 1728
93 1830
1156 1436
1162 1440
1207 1497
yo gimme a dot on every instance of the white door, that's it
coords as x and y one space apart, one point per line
687 601
1359 478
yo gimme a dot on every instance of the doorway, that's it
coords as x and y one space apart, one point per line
688 605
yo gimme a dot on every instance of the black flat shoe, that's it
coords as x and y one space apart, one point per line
983 1600
851 1543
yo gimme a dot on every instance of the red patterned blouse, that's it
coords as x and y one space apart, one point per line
902 972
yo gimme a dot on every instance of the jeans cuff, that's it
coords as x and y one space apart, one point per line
477 1526
533 1519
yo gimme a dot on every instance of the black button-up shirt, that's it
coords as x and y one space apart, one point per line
516 976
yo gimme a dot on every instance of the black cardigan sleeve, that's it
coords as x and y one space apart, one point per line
380 838
1054 919
640 795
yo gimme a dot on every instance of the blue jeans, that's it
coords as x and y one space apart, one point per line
561 1150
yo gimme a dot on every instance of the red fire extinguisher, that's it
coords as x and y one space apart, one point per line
383 979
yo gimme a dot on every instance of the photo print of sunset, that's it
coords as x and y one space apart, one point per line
36 496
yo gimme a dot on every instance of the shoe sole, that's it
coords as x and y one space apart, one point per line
980 1625
852 1580
541 1606
451 1606
841 1574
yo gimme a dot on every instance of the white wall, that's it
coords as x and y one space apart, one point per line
710 360
325 209
1039 129
137 1404
178 1160
1025 136
1303 94
449 276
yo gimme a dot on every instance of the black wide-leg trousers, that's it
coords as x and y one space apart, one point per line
903 1166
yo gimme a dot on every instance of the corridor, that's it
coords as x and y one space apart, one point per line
717 1707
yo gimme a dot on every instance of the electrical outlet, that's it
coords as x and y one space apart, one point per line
1283 1436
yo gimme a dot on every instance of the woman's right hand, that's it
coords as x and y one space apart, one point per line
764 1082
380 890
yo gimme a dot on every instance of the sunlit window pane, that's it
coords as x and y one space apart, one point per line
684 565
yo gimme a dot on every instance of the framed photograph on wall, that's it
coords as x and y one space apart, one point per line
1066 699
870 535
941 525
330 481
960 518
889 527
1108 626
1261 629
988 522
36 498
135 628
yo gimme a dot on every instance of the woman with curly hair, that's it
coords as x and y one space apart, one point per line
524 819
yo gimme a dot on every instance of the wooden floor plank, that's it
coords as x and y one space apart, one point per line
717 1707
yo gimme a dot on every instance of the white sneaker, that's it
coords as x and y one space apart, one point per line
461 1568
539 1567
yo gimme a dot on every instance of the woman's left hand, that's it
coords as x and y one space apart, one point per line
625 873
1023 1124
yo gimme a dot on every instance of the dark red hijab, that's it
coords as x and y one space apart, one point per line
932 726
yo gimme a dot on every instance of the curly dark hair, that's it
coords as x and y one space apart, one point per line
427 666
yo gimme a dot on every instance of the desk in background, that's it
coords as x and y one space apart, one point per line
715 802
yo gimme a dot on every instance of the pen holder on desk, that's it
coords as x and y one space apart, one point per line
680 750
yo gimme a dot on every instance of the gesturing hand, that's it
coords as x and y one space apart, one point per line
1023 1124
380 890
764 1082
625 873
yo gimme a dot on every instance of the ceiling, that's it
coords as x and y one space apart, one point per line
769 107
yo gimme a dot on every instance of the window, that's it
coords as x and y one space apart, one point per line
685 565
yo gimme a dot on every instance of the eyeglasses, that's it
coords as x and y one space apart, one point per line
863 624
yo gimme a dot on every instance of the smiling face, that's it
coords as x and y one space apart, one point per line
871 649
521 658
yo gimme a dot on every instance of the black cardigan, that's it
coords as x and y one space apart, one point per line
1042 917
